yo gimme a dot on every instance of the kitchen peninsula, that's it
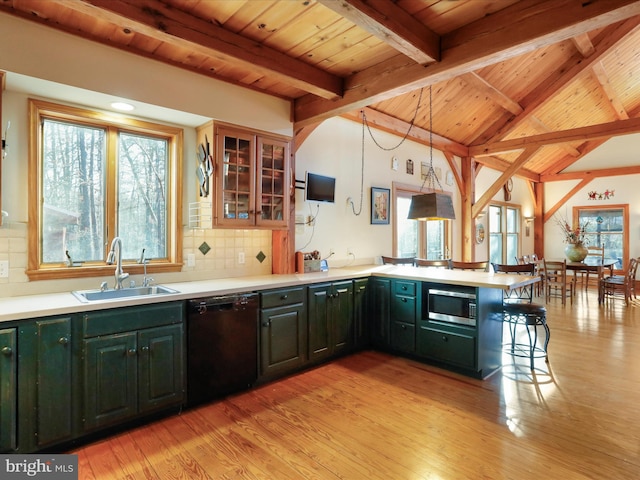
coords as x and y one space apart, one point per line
88 354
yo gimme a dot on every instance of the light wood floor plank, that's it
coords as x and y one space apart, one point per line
380 417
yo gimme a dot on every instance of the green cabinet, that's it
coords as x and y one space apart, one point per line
283 331
47 382
474 349
330 308
360 312
380 308
133 362
8 389
405 310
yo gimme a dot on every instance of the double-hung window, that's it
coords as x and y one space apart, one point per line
93 178
606 226
504 233
412 238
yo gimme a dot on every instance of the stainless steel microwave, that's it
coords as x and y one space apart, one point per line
452 306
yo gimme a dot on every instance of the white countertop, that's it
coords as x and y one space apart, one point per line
33 306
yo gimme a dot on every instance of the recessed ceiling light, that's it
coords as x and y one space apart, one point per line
125 107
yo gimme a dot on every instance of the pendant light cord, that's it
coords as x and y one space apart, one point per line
368 128
431 173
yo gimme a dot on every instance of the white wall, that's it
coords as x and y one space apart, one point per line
335 149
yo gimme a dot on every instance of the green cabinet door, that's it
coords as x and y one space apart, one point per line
283 335
54 381
319 308
160 367
330 307
111 379
8 389
380 308
341 319
360 313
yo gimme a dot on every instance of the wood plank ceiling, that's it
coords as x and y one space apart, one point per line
527 87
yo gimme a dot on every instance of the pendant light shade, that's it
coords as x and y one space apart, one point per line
431 206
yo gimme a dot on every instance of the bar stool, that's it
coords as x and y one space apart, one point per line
518 311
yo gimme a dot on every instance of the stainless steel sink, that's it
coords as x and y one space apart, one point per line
111 294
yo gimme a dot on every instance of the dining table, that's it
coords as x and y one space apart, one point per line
597 265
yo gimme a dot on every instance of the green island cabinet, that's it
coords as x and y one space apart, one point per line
8 389
283 331
472 349
133 362
330 316
405 310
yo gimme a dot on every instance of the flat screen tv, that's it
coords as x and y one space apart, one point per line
320 188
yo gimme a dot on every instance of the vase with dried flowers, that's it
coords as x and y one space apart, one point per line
575 238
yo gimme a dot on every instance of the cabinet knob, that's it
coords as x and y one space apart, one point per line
266 324
63 340
445 338
404 299
284 297
145 349
7 351
131 352
404 287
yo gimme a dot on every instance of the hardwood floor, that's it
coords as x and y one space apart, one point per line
375 416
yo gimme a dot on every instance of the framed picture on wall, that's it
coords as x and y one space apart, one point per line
380 205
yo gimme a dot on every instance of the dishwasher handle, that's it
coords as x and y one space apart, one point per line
222 303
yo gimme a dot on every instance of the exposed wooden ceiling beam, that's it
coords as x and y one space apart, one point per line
568 160
603 79
611 129
391 24
602 172
576 66
398 127
485 88
498 184
502 165
157 20
525 26
584 45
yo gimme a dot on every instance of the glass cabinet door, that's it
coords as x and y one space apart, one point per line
273 182
236 178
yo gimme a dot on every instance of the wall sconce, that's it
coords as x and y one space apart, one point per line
527 225
4 141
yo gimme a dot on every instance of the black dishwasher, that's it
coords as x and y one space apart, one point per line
222 346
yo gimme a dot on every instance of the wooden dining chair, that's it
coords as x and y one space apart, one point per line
583 275
478 266
398 260
422 262
556 282
621 285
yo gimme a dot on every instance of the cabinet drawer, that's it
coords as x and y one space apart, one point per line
105 322
404 309
280 298
453 348
403 337
405 288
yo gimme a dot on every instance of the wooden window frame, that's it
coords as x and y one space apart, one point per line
38 110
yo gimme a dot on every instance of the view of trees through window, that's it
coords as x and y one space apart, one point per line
76 194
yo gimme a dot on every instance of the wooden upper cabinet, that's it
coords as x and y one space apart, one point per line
252 177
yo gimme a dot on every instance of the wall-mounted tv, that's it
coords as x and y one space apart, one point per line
320 188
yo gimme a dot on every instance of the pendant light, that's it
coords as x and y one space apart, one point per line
432 205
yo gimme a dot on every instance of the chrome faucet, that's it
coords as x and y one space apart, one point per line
146 281
115 254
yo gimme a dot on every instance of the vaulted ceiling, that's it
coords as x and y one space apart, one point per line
527 87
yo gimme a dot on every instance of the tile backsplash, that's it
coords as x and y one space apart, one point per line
232 253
